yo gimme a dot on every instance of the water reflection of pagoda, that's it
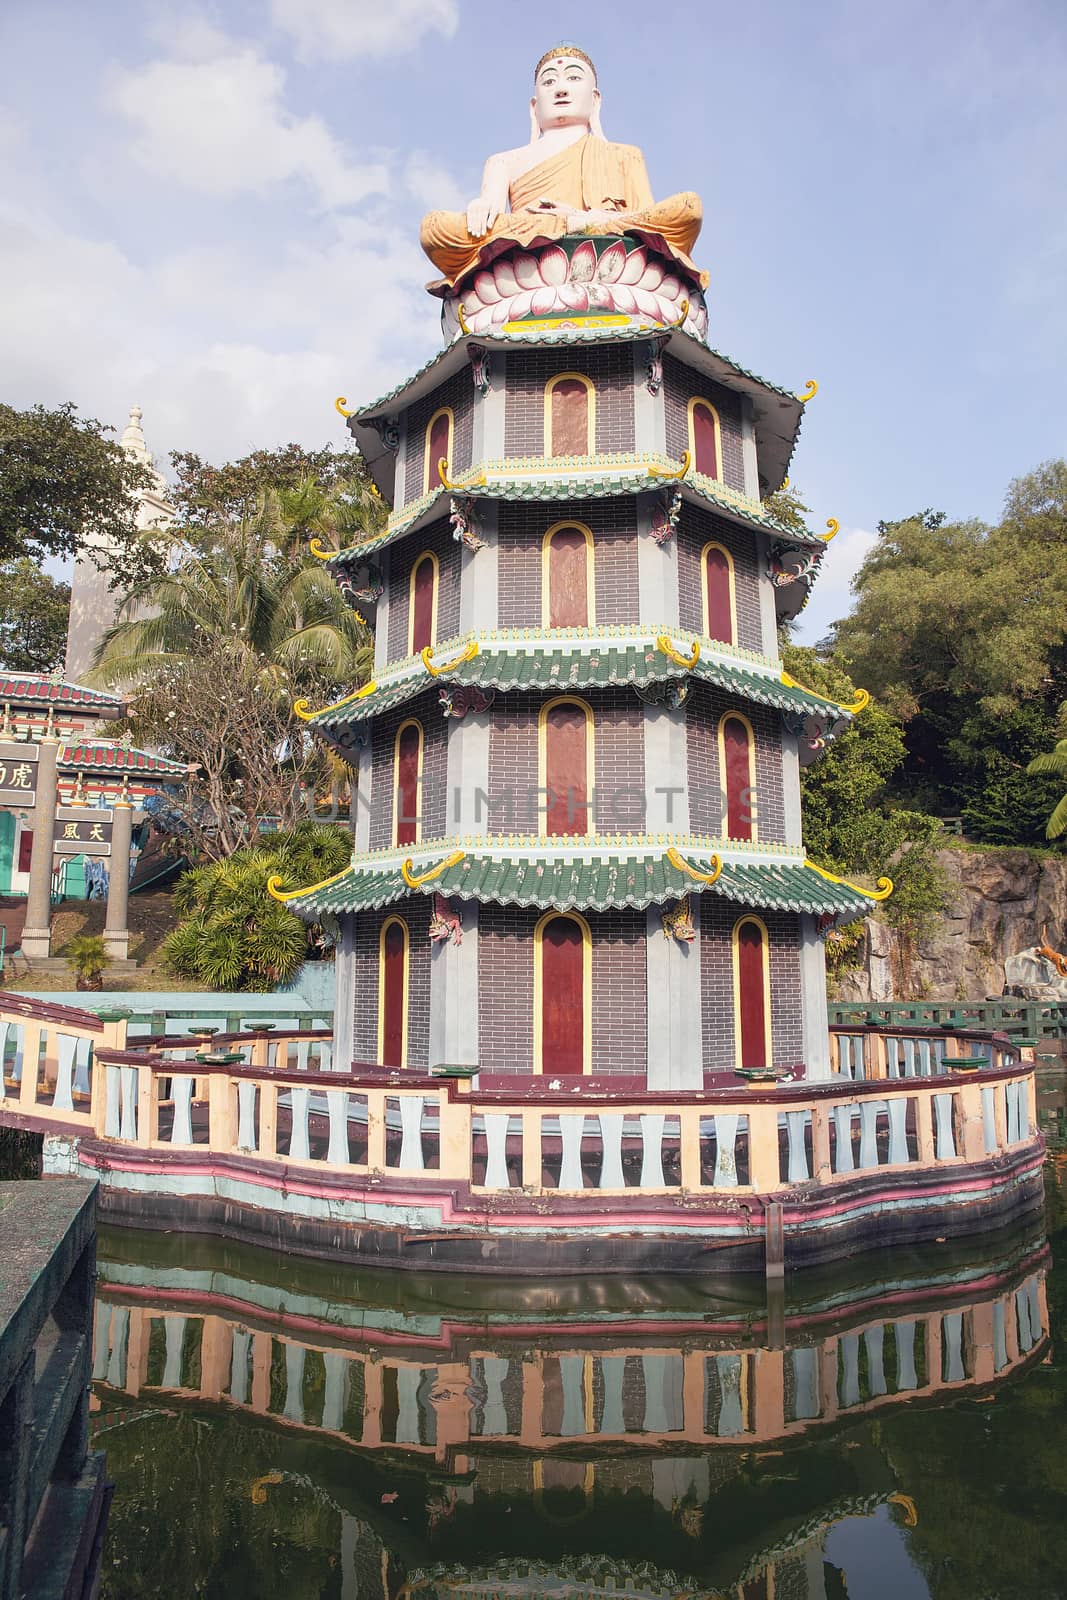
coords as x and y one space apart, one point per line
532 1424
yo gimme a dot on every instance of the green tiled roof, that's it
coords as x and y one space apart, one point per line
508 665
613 480
585 883
570 336
32 686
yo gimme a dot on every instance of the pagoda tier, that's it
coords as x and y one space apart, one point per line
578 843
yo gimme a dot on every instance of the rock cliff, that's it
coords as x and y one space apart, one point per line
1000 901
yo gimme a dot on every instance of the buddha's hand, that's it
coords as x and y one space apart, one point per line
481 215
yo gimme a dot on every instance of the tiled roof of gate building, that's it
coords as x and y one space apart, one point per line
36 686
535 872
515 663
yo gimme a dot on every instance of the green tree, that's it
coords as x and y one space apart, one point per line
34 611
1054 764
205 496
960 629
63 483
233 935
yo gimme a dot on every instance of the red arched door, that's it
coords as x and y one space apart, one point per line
569 413
408 762
440 440
705 445
752 993
394 978
737 775
423 584
717 575
568 579
562 999
566 776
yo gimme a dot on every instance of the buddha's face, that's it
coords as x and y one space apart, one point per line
565 93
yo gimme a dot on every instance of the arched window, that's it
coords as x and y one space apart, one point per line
422 603
752 994
705 438
393 947
407 782
438 448
563 984
737 772
720 601
567 599
570 415
565 729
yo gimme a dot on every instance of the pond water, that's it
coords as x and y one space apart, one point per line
891 1428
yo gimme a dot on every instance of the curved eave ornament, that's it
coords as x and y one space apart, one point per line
303 710
416 880
284 896
882 892
705 879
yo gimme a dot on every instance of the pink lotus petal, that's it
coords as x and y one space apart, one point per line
527 272
636 262
611 263
623 298
481 321
583 262
647 304
670 289
700 321
599 297
485 288
543 301
652 276
575 296
519 305
667 310
554 265
504 277
500 313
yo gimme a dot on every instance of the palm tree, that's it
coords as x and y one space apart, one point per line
1054 765
282 611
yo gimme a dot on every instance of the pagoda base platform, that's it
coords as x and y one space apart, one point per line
435 1225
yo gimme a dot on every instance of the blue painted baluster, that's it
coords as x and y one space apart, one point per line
571 1130
725 1151
843 1157
496 1150
946 1138
898 1131
868 1133
907 1378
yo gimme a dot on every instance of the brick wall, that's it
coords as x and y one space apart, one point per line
437 538
611 371
458 393
613 524
425 708
696 528
680 384
618 741
416 913
704 707
506 997
717 919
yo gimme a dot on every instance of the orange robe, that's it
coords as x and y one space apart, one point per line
589 175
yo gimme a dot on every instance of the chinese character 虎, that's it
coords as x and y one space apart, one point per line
20 776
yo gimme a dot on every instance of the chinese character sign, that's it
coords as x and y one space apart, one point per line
18 773
82 832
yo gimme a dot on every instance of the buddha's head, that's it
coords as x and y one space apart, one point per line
565 91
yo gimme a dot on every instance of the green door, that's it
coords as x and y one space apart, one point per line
7 850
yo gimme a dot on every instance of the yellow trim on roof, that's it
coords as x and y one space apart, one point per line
416 880
884 890
854 707
681 865
282 895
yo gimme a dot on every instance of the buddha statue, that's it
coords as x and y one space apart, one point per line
568 179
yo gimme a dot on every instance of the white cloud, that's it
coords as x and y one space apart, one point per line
226 352
326 30
219 126
432 185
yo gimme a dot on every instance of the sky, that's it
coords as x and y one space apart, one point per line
212 211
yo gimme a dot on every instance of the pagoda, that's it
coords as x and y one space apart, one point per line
578 849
